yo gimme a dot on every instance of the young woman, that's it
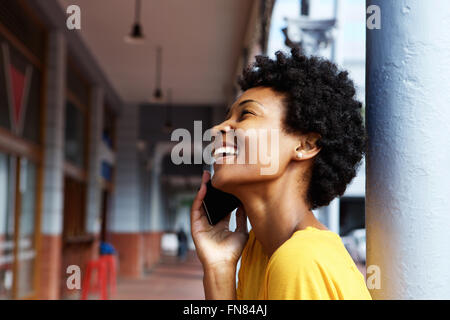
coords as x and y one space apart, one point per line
288 253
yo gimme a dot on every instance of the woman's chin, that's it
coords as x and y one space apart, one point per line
223 180
217 181
229 177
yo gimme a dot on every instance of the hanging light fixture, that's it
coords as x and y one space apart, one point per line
168 126
157 94
136 36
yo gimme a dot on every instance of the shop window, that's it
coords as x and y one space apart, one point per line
108 138
4 106
74 208
76 84
18 181
20 93
77 104
22 51
75 150
74 135
107 166
26 253
32 116
6 225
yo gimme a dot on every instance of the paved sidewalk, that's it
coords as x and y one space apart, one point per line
169 280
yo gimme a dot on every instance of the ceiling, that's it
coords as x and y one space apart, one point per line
201 41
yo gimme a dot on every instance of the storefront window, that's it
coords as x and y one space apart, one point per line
24 256
32 117
108 140
6 225
20 93
74 208
4 107
75 135
22 52
76 131
26 251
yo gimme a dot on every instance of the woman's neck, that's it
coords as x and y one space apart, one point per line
276 209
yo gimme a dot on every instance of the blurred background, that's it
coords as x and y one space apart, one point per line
85 123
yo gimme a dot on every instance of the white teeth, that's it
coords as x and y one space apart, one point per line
225 150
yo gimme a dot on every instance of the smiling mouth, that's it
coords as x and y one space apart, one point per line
223 152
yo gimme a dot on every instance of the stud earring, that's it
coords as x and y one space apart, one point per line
300 155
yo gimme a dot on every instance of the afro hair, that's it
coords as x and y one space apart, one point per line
318 98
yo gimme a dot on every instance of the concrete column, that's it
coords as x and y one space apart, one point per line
93 202
156 222
407 169
145 178
125 221
52 215
156 218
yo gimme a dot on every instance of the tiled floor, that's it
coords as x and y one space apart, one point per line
170 279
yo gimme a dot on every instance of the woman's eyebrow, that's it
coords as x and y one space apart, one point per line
242 103
249 100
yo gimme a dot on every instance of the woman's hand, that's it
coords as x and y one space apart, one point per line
216 245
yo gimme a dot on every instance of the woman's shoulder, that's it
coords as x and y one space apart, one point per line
313 264
310 247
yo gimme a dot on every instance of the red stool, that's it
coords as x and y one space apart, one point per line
99 266
110 262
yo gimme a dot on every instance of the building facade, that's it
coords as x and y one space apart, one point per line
57 154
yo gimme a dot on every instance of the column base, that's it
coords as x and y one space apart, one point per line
152 248
79 254
129 247
49 272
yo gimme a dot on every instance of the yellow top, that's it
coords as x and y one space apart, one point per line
312 264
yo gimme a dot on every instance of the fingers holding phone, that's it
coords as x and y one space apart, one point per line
214 242
198 217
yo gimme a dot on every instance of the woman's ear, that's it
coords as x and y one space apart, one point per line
307 147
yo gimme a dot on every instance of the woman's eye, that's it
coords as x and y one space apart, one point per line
244 112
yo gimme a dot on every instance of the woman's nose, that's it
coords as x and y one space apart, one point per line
222 128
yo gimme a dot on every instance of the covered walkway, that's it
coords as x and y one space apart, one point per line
170 279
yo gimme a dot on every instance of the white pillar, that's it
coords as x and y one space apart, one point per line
93 204
157 218
126 213
50 245
408 160
156 221
52 216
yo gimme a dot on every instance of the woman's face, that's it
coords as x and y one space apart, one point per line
258 149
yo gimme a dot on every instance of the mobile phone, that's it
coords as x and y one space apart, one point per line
218 204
